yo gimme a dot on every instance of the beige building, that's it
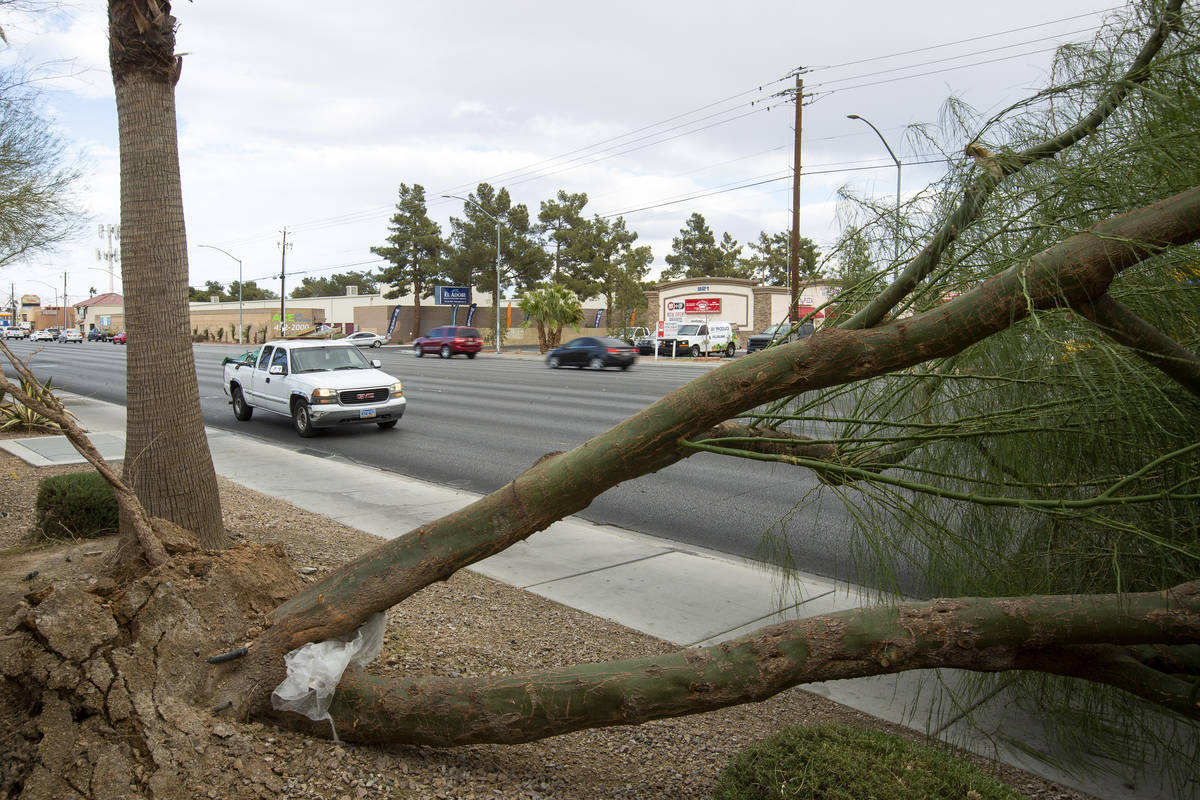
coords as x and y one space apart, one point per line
741 301
103 311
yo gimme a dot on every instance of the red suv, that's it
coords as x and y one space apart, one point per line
449 340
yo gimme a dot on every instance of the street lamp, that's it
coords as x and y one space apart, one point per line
496 296
893 155
235 258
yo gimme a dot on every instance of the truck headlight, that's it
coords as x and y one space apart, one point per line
322 396
397 391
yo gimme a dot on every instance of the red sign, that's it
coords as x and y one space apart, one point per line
705 305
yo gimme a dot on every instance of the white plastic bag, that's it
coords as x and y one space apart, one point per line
314 669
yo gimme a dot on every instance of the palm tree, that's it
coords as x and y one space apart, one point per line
167 459
550 308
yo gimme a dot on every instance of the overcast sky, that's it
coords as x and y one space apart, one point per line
308 115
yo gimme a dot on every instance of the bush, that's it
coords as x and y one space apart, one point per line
76 506
839 762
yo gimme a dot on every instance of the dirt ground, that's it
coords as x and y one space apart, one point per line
98 679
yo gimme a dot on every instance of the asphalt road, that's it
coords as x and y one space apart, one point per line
475 424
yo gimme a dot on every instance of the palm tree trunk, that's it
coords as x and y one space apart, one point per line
167 460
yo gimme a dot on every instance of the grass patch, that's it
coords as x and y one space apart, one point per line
839 762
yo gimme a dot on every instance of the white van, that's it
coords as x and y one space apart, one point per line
701 338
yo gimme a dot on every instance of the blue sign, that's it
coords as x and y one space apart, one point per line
392 322
471 313
451 295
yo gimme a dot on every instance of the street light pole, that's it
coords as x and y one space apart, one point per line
235 258
496 296
893 155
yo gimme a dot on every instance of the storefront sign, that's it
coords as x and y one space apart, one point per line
451 295
695 305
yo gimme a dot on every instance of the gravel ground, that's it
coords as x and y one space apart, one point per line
472 625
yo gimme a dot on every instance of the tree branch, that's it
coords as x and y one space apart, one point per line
152 549
1063 634
1146 341
998 167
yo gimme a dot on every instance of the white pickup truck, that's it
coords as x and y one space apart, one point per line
318 384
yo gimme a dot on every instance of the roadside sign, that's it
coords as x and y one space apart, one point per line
702 305
451 295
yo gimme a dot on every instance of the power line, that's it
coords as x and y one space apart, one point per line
787 176
959 41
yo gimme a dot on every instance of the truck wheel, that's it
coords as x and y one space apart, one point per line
241 411
302 419
445 351
729 350
695 351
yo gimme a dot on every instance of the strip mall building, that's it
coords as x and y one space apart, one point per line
747 303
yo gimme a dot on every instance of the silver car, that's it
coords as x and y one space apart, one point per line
70 335
366 339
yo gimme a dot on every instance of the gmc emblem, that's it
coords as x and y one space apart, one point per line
364 395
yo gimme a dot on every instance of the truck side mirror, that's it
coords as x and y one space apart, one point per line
276 369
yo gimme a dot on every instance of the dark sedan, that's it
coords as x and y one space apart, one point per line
592 351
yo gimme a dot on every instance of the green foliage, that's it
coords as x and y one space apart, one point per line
770 262
696 254
565 230
839 762
16 416
550 308
335 285
76 506
616 267
414 248
220 334
471 252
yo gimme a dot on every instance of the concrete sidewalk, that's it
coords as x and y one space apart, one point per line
685 595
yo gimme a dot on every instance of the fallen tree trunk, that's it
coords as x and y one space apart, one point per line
1081 636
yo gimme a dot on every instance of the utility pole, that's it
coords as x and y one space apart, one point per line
283 248
794 255
109 254
64 302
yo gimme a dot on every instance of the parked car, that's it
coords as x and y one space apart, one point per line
15 332
45 335
646 345
596 352
366 339
782 332
633 334
448 341
95 335
70 335
118 338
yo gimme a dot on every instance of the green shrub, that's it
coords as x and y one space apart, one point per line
839 762
76 506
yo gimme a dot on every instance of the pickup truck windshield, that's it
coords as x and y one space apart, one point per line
322 359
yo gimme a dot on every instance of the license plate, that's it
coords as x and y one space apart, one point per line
366 413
